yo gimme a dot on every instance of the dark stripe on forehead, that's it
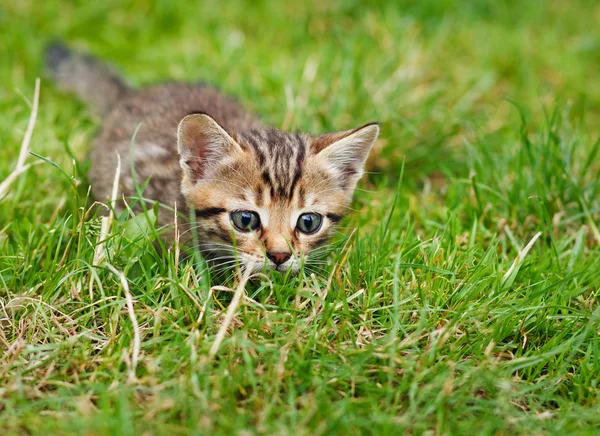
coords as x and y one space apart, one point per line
208 212
301 197
301 147
266 178
282 192
294 181
251 139
259 195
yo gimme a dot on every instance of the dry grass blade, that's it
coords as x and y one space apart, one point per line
21 167
135 353
107 220
509 276
235 302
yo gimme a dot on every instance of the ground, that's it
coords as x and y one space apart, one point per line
461 295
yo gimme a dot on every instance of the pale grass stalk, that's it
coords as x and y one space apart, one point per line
204 306
235 302
177 236
510 275
357 294
135 353
20 168
99 252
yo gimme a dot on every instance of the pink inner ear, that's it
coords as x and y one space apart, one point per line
202 143
199 148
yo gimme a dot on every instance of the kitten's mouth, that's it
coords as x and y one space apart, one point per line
220 258
262 266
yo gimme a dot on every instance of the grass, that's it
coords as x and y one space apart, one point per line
462 296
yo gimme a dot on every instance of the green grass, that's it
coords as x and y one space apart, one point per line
421 323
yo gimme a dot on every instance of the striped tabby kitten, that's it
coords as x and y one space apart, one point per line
268 196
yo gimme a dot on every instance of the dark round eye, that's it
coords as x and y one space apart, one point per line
245 221
309 223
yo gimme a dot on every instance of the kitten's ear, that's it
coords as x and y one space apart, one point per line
202 142
347 152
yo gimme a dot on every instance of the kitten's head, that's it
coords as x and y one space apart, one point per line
265 195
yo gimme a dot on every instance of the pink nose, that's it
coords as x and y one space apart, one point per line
279 258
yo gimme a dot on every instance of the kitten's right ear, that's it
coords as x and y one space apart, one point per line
202 142
346 152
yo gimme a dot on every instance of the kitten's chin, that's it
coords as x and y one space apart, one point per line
261 267
221 260
292 266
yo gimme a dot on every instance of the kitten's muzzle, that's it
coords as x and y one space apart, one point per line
279 257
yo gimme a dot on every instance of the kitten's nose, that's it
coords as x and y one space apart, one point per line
279 257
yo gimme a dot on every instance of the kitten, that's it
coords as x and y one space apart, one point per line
267 196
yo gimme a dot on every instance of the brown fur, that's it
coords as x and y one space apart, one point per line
199 149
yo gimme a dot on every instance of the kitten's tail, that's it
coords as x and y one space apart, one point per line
93 81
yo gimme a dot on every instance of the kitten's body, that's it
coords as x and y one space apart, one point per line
220 161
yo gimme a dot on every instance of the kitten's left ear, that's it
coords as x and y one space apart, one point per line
202 143
347 152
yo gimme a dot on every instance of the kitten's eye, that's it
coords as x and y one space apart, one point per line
245 221
309 223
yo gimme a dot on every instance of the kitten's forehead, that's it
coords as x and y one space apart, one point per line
280 157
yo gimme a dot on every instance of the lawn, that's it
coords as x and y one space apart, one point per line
461 296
